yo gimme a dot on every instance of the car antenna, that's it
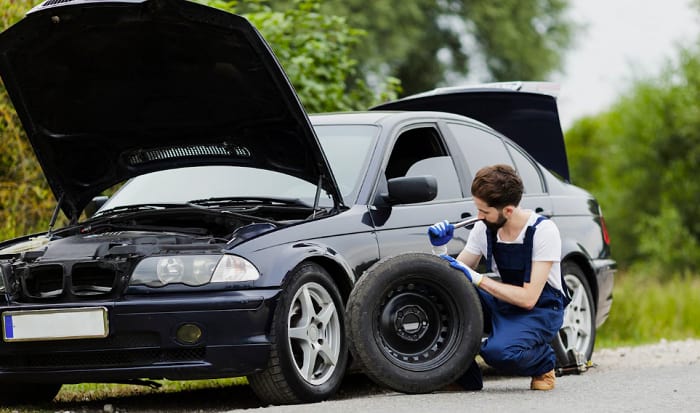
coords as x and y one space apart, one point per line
318 195
54 217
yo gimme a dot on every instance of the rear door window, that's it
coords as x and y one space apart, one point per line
532 181
479 147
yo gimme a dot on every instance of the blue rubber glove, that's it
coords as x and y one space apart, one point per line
473 276
441 233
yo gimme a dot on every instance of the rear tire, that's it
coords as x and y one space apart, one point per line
12 394
576 339
309 354
414 322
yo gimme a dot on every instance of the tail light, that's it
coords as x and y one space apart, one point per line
604 228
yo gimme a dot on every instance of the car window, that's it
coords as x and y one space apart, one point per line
479 147
202 182
348 149
442 168
532 181
420 151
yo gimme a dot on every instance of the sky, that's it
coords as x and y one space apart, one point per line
621 40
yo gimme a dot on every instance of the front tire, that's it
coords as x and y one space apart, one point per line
309 353
414 322
576 339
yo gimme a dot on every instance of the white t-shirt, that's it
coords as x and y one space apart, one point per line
546 245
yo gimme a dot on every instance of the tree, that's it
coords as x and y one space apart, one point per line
646 149
315 50
26 202
424 43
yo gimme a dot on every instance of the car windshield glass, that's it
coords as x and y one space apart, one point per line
347 149
180 186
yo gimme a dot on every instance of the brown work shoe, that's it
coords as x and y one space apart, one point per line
543 382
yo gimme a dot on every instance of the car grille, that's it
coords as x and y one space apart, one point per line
82 279
101 359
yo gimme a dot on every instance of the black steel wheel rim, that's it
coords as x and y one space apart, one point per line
417 325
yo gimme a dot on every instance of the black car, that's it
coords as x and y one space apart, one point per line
250 239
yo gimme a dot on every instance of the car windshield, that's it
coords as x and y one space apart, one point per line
347 148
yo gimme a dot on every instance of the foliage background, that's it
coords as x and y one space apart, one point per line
339 55
640 158
429 43
314 48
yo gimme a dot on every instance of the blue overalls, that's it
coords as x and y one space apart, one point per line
518 342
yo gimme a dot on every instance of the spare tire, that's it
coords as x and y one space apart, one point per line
414 323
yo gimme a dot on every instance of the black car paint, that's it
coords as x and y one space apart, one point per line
236 318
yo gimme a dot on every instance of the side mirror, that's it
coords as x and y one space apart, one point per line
411 189
95 204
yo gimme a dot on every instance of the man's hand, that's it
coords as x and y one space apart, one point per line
441 233
471 275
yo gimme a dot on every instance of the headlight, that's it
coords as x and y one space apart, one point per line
232 268
193 270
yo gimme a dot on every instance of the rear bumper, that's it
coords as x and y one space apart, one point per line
142 340
605 275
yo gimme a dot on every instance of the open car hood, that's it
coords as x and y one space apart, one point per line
526 112
108 90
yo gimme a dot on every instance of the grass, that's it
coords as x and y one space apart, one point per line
92 391
171 396
647 309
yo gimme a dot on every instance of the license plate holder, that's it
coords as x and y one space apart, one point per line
55 324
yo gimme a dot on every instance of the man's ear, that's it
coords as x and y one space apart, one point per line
508 211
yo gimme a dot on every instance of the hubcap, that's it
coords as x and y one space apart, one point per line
410 322
314 333
576 331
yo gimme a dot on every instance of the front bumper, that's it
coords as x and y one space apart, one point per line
142 340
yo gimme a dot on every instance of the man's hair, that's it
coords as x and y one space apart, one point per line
498 186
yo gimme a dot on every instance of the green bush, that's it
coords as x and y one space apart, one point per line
640 159
647 308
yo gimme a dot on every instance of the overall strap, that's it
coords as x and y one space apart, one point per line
529 234
490 240
527 244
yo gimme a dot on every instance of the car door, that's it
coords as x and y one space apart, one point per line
419 149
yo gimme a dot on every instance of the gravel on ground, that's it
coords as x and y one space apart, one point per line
657 354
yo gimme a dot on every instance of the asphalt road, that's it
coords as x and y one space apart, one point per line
652 378
661 377
644 389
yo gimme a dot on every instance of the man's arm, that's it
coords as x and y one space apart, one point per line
469 259
526 296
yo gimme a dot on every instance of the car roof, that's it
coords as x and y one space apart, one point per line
385 117
525 112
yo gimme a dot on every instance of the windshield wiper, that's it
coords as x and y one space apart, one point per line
142 207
